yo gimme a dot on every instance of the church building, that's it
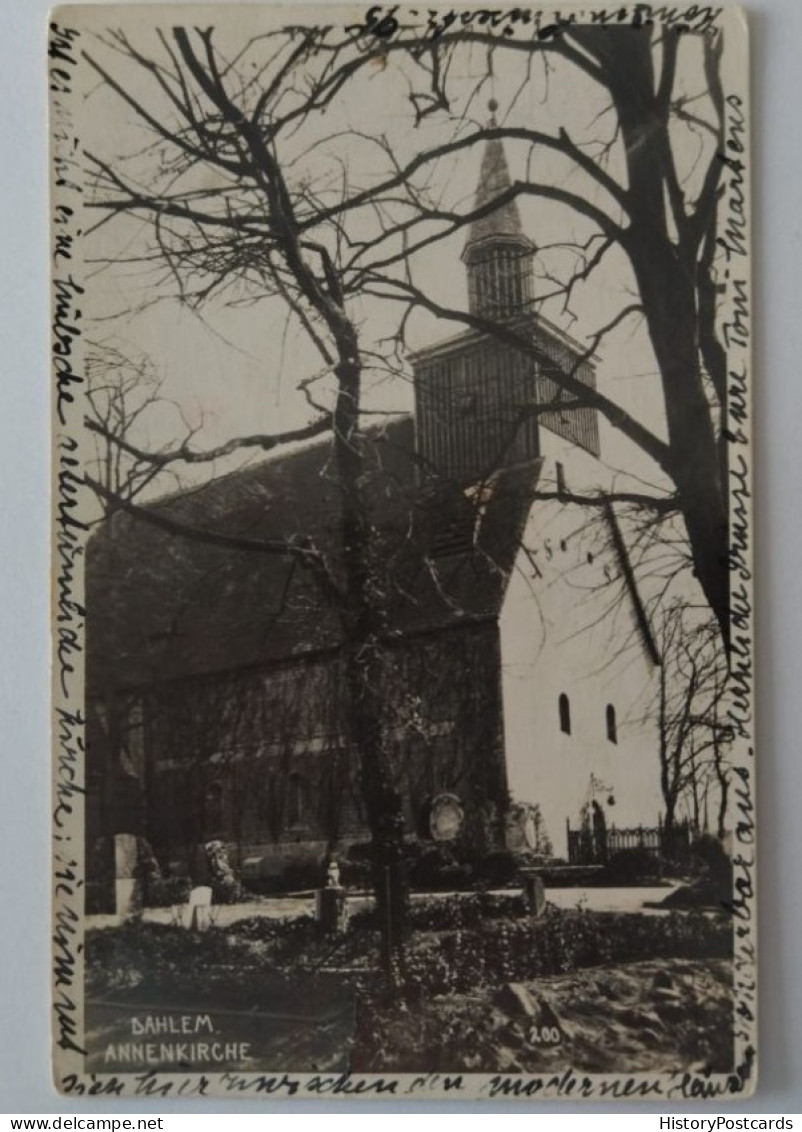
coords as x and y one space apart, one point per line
520 660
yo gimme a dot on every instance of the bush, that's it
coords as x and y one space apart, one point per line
437 868
355 874
164 892
99 897
712 888
462 912
497 869
714 863
711 884
456 945
299 877
434 866
311 875
302 877
430 866
559 942
630 866
163 958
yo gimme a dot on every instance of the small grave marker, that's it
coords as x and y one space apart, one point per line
534 892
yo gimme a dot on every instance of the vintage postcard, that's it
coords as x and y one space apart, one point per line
402 553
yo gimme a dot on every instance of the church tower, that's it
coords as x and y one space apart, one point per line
478 399
497 254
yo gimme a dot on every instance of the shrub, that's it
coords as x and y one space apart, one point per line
159 956
464 912
715 865
164 892
497 869
629 866
360 851
711 886
355 874
99 897
437 867
559 942
457 945
299 877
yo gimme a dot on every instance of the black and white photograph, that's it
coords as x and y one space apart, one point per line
402 552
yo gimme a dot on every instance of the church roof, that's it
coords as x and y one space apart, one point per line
547 335
161 605
502 223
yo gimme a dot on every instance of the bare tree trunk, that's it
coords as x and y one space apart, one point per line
665 264
364 672
697 805
668 778
724 786
696 467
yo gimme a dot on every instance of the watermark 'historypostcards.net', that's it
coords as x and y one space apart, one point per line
402 591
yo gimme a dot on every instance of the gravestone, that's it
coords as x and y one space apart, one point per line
446 818
127 885
534 892
200 907
515 1000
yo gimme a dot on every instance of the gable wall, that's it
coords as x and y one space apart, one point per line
568 627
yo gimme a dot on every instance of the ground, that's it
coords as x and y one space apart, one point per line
488 989
606 1019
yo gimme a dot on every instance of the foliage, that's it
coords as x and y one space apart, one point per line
629 866
456 865
99 897
459 944
438 867
461 912
711 886
559 942
161 957
713 861
165 892
430 867
497 869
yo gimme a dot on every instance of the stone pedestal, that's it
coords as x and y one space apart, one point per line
330 910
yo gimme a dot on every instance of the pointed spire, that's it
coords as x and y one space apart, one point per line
503 222
497 253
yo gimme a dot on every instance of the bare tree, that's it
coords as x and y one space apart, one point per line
245 223
125 398
693 733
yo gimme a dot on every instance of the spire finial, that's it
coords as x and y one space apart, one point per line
492 106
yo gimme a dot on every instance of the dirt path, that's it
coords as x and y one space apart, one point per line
631 899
